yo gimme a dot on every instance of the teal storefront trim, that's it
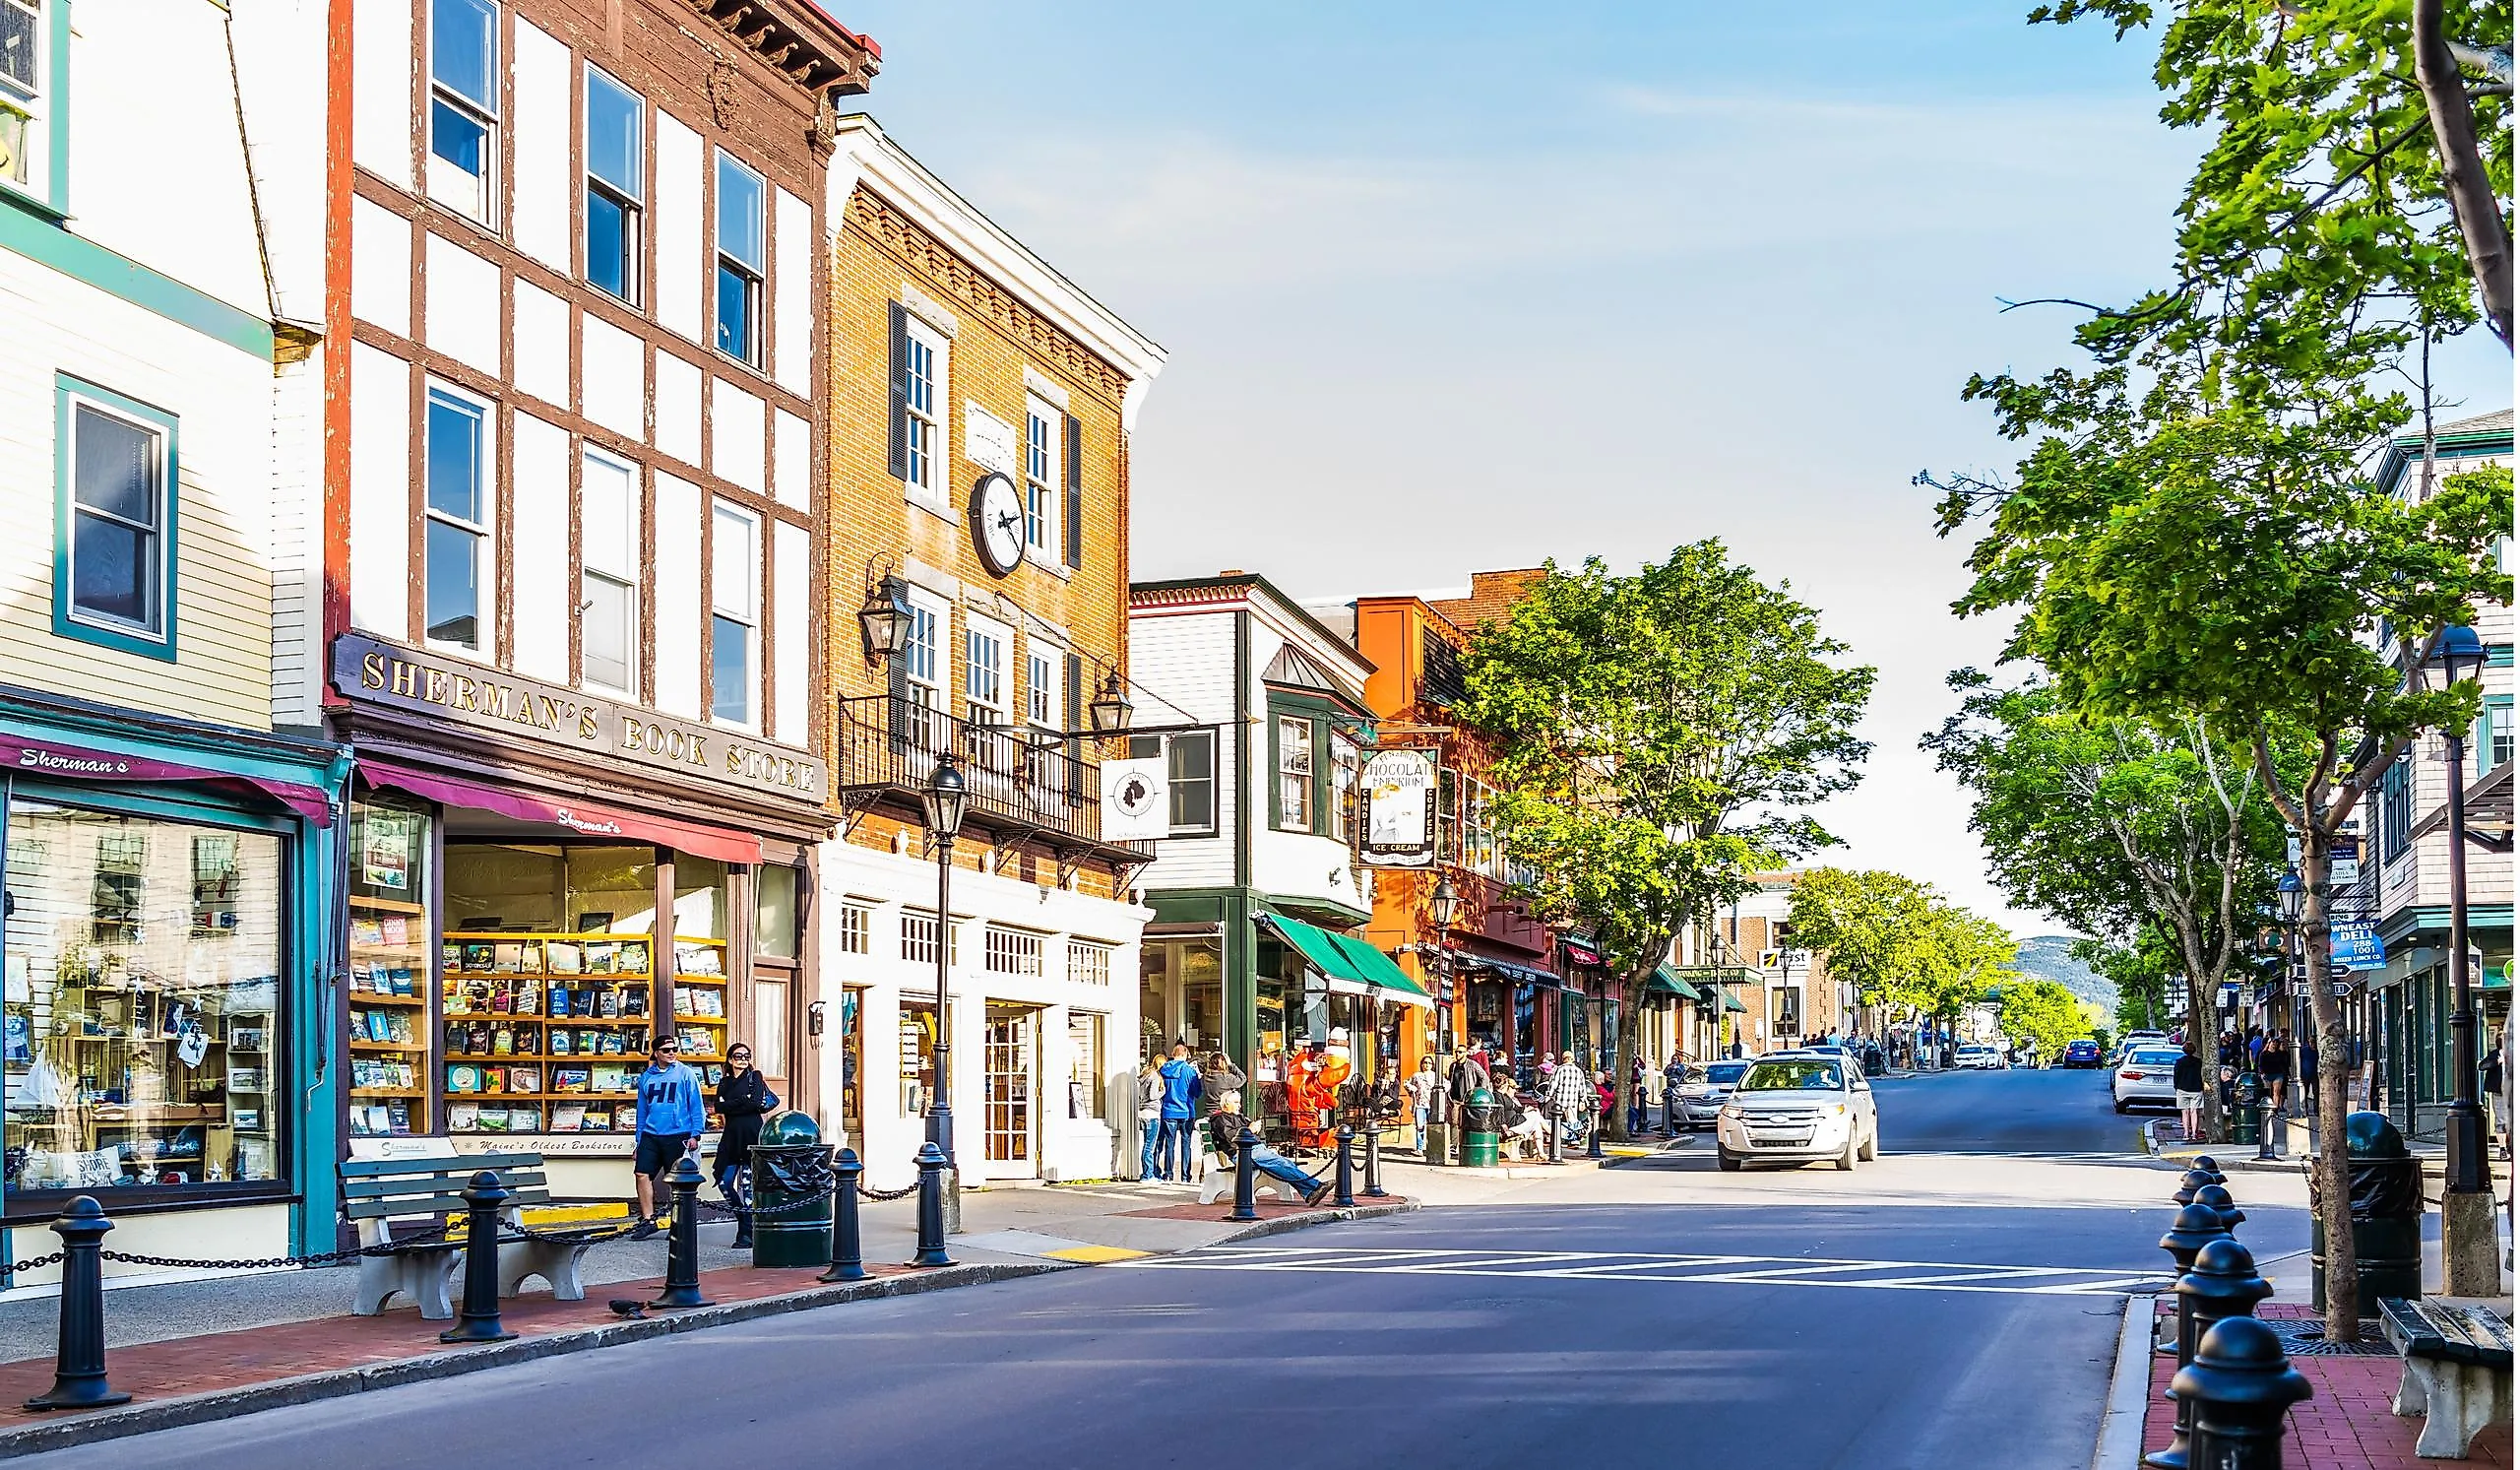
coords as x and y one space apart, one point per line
252 781
30 229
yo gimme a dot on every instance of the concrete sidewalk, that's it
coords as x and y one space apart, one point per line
197 1349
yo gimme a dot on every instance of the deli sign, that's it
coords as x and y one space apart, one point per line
370 671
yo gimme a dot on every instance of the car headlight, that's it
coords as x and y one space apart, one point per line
1729 1110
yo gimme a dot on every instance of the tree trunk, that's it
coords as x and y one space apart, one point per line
2463 175
1623 1057
2335 1207
2204 1032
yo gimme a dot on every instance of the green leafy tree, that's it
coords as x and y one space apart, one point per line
1898 941
2345 168
2118 826
2200 551
2142 971
2041 1013
1656 739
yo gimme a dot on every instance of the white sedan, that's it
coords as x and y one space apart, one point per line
2144 1075
1977 1058
1796 1108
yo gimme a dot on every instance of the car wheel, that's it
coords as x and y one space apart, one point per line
1846 1159
1726 1160
1872 1145
2120 1103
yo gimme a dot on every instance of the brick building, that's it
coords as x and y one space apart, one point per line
981 405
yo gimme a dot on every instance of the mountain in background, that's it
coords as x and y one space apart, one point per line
2051 957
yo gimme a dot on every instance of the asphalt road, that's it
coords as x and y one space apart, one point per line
1645 1316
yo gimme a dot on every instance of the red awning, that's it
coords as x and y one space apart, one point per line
77 763
578 816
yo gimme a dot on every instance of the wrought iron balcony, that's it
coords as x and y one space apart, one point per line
1019 783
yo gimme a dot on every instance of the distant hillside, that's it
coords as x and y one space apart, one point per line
2050 957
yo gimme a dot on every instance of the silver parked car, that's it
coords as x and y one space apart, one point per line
1798 1108
2144 1075
1704 1091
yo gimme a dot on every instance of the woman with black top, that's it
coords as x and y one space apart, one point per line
2188 1080
743 1097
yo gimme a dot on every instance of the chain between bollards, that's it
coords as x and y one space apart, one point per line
682 1239
1246 1176
931 1208
846 1261
78 1368
1342 1191
478 1320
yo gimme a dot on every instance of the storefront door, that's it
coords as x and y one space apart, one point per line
1011 1065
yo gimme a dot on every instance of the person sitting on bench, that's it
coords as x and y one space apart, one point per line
1225 1136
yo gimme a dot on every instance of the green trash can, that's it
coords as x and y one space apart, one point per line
2386 1184
2245 1112
1479 1130
790 1169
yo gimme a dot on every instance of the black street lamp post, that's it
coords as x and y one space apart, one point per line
945 799
2461 656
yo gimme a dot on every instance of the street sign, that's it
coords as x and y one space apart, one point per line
2341 988
2356 945
1400 808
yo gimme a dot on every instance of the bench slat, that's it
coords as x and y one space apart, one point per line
434 1203
522 1178
2420 1329
436 1162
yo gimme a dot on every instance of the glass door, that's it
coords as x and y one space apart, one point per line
1009 1082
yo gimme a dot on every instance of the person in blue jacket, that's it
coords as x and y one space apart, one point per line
672 1116
1173 1149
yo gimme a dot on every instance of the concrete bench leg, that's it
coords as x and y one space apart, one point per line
1220 1184
2460 1400
421 1276
2411 1396
554 1263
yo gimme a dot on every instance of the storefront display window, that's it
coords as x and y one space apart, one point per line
388 971
141 1034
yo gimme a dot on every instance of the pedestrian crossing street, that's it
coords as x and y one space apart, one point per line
1649 1267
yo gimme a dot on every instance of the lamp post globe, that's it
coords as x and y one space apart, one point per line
1446 903
946 799
1110 709
883 624
2292 896
2459 653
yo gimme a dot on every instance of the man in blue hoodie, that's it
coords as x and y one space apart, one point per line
671 1116
1179 1115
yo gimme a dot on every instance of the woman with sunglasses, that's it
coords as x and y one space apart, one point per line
743 1098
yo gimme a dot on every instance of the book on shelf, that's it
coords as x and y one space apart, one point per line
597 1121
602 957
463 1077
395 929
493 1121
698 959
710 1004
463 1117
402 982
570 1078
568 1118
398 1119
609 1079
560 957
367 932
524 1079
479 956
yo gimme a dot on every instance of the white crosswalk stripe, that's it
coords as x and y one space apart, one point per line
1656 1266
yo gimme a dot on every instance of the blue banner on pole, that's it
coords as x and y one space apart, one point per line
2356 945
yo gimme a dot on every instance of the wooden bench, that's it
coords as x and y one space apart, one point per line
2458 1372
376 1192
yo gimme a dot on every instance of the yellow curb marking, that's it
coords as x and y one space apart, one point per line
1096 1255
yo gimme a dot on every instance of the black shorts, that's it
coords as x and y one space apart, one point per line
659 1151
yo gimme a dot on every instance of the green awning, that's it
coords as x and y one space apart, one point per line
1664 983
1352 961
1731 1004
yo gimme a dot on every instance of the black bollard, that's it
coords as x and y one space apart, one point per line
2188 1183
2196 1227
79 1367
1373 1167
2238 1389
2206 1163
1592 1145
1246 1176
847 1263
1344 1191
2219 1199
1556 1137
682 1239
931 1208
477 1320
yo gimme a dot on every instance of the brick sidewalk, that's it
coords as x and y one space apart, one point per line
2345 1424
222 1361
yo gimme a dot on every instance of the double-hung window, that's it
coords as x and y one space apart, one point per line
735 623
1040 483
1295 773
2494 732
118 473
742 262
464 105
23 61
984 671
1041 687
923 661
922 418
608 590
458 584
1345 762
1191 773
616 186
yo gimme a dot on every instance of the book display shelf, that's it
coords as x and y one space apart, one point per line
389 1015
545 1033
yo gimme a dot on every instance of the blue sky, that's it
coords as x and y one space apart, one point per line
1466 285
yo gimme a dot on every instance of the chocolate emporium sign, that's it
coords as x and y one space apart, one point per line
370 671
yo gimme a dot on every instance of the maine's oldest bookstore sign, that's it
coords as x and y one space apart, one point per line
402 679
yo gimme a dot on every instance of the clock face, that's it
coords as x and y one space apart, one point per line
997 522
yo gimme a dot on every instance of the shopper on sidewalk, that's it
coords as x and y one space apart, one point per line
1676 1078
2187 1079
1224 1136
2495 1094
1172 1148
1566 1096
743 1098
1150 1114
671 1118
1216 1078
2275 1069
1424 1087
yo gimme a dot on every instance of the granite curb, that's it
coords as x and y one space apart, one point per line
227 1403
2119 1443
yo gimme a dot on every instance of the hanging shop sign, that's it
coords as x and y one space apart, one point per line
2356 945
1137 799
1400 808
369 671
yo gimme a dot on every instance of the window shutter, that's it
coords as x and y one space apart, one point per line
1075 716
896 444
1075 492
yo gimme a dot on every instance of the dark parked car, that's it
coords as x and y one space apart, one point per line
2084 1054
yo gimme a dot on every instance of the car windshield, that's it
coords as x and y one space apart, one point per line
1725 1073
2155 1058
1791 1076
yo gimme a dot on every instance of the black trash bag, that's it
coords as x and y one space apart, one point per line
794 1173
2381 1188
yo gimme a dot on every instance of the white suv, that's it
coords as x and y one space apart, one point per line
1798 1108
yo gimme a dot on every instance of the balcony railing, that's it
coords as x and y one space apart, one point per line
889 744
